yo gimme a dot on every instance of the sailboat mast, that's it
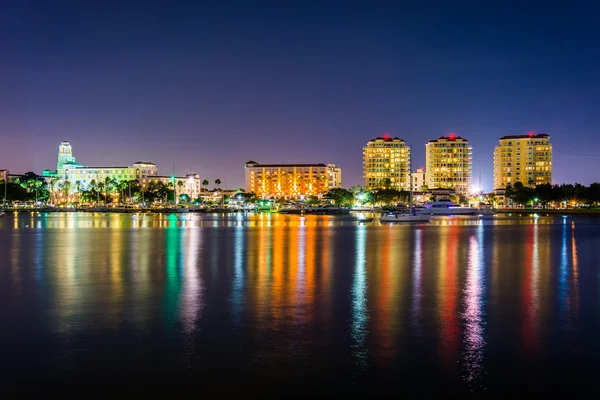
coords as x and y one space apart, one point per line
410 181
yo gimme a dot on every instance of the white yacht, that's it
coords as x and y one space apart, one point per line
486 209
405 217
447 207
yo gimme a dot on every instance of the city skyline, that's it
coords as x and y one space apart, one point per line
208 88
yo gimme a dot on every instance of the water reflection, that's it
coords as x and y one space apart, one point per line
282 295
417 288
473 315
172 273
237 292
193 287
360 315
449 294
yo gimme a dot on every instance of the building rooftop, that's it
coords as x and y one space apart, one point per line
450 137
531 135
386 138
284 165
86 167
167 177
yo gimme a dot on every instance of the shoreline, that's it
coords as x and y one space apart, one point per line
503 211
549 211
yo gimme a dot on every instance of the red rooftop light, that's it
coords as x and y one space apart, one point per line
386 136
531 134
452 136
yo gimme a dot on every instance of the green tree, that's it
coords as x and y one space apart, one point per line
312 201
385 183
340 197
15 192
519 194
180 186
205 183
388 197
53 184
593 193
545 194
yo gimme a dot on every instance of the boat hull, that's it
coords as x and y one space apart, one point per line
450 211
405 218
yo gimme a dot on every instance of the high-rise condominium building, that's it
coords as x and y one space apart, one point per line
386 163
290 181
449 164
523 158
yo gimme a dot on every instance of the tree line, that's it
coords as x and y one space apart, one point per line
32 187
547 194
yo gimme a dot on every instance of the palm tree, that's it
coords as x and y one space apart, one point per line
180 186
217 182
52 187
78 187
100 188
109 185
67 188
205 183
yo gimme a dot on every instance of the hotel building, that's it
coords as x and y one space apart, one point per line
81 177
449 164
386 162
523 158
289 181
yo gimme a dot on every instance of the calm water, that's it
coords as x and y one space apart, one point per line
278 305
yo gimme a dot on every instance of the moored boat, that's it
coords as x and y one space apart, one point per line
405 217
447 207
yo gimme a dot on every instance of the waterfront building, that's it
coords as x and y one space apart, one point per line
417 179
83 177
449 164
5 175
523 158
334 176
289 181
386 163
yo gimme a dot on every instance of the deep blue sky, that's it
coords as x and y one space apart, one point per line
209 85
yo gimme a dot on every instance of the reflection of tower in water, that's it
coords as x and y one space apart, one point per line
473 315
448 300
417 288
360 314
172 279
193 287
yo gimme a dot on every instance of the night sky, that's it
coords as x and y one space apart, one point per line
211 85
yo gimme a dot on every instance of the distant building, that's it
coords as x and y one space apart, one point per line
82 177
334 175
523 158
5 175
386 163
417 179
449 164
290 181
